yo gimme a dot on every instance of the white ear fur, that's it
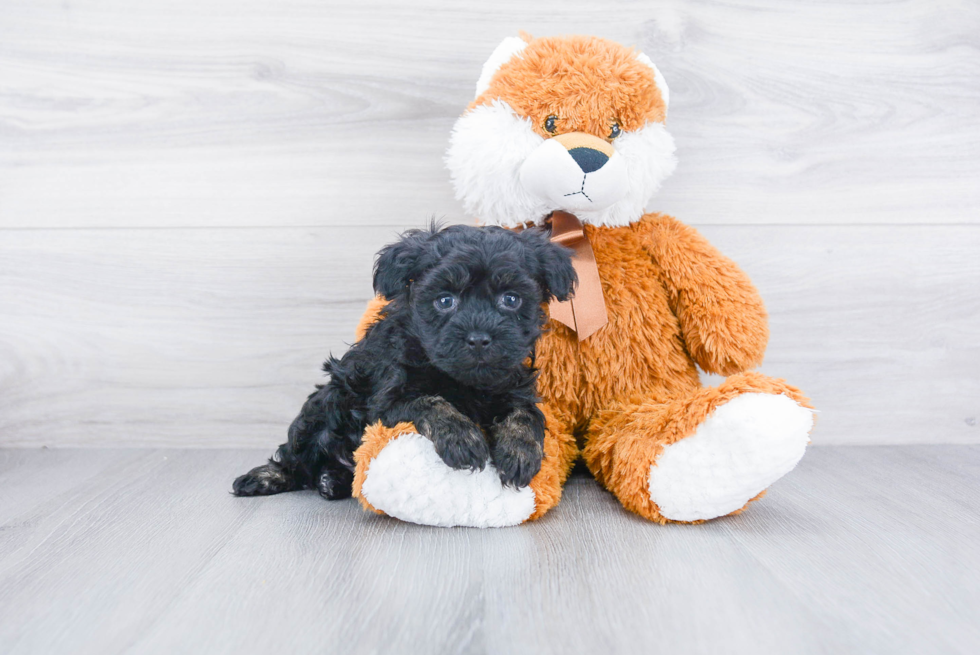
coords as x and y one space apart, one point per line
509 47
658 76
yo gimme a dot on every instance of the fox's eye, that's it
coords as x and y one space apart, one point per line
549 124
615 130
509 300
446 302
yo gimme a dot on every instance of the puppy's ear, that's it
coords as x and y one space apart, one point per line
554 270
401 262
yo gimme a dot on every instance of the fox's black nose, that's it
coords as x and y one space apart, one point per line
477 341
588 159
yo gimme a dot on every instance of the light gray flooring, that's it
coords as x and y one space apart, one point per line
860 550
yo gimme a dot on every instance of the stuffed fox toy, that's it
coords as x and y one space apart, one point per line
569 132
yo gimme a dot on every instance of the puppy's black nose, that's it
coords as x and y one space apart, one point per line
477 341
588 159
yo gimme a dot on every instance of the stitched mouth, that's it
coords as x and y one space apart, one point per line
581 191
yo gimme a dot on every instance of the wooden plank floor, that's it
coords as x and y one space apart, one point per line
860 550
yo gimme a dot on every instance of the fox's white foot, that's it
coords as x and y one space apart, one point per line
409 481
743 447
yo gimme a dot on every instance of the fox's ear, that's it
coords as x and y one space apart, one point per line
508 48
658 76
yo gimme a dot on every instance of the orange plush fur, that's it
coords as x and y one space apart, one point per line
673 300
586 102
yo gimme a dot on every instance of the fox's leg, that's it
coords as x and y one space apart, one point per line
703 454
400 474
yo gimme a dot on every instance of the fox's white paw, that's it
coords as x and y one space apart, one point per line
409 481
741 448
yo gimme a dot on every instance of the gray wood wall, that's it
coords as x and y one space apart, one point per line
191 194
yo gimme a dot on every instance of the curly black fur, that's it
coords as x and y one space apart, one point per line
449 353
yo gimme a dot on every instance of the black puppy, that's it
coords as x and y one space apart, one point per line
450 354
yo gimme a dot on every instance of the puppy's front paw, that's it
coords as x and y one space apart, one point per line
458 441
518 461
518 450
462 447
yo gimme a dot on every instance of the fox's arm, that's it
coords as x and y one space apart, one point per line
371 315
721 315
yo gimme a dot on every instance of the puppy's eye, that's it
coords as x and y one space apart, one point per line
615 131
549 124
446 302
509 300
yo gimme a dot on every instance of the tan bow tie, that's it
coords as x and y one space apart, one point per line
586 311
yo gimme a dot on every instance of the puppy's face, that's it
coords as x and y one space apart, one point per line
475 295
